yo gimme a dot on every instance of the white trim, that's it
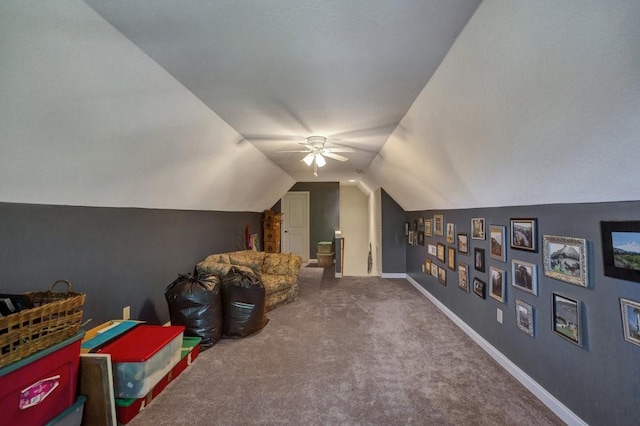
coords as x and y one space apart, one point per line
394 275
561 410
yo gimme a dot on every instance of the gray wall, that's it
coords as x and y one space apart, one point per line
324 211
117 256
394 241
598 381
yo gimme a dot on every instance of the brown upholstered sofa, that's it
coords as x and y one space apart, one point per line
277 271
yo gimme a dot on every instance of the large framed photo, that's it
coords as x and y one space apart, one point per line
463 277
524 317
451 233
478 259
451 258
497 240
463 243
566 318
479 287
565 259
497 282
428 227
621 249
524 235
524 276
438 224
441 252
477 228
631 320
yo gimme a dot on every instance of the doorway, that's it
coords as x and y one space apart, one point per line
295 223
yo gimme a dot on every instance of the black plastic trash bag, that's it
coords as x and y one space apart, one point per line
243 304
195 303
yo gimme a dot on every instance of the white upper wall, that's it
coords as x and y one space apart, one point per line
535 103
87 119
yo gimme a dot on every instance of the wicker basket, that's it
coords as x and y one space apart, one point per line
55 317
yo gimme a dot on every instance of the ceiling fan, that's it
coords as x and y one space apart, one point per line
317 151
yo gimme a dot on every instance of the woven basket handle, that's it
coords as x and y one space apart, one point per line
68 283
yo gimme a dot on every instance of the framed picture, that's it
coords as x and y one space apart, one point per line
428 230
410 238
434 270
497 283
566 318
477 228
451 233
565 259
442 276
438 224
432 250
524 317
631 320
406 228
427 266
420 238
451 258
524 234
621 249
497 242
420 221
463 276
463 243
524 276
415 225
478 259
441 249
479 287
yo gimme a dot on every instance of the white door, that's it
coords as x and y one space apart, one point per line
295 224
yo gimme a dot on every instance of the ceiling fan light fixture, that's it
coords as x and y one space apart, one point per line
320 161
308 159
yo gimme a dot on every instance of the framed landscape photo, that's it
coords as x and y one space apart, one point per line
432 250
428 227
621 249
479 287
441 250
478 259
524 317
463 243
438 224
451 258
477 228
524 276
442 276
566 318
631 320
497 283
524 235
451 233
497 240
463 277
565 259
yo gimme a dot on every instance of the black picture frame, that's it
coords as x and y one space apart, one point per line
441 256
478 259
479 288
566 318
620 258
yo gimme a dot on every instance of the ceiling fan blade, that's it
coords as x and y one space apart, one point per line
297 150
341 149
335 156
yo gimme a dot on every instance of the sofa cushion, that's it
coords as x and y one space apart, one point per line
220 258
219 269
249 258
276 263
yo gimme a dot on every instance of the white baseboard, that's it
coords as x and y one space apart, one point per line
394 275
565 414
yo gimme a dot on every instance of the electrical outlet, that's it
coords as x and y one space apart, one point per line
126 312
499 315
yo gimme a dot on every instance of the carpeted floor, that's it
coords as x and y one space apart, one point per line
351 351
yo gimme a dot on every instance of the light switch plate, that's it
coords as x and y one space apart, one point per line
499 315
126 312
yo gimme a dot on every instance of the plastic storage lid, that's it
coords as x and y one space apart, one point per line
141 343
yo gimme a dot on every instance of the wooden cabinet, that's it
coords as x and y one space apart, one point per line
271 228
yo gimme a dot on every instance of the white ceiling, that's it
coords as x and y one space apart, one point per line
279 71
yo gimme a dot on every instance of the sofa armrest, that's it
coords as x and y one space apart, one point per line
294 265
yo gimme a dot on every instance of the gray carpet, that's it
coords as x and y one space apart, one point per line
351 351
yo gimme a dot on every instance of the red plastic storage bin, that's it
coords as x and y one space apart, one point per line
35 389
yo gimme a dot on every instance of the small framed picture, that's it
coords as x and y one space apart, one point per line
441 250
463 276
432 250
497 240
463 243
415 225
477 228
451 233
497 283
451 258
406 228
420 222
566 318
442 276
524 235
524 276
434 270
420 238
438 224
428 227
631 320
565 259
427 266
479 287
621 249
524 317
410 238
478 259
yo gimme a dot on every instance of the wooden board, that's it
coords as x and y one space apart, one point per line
96 383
